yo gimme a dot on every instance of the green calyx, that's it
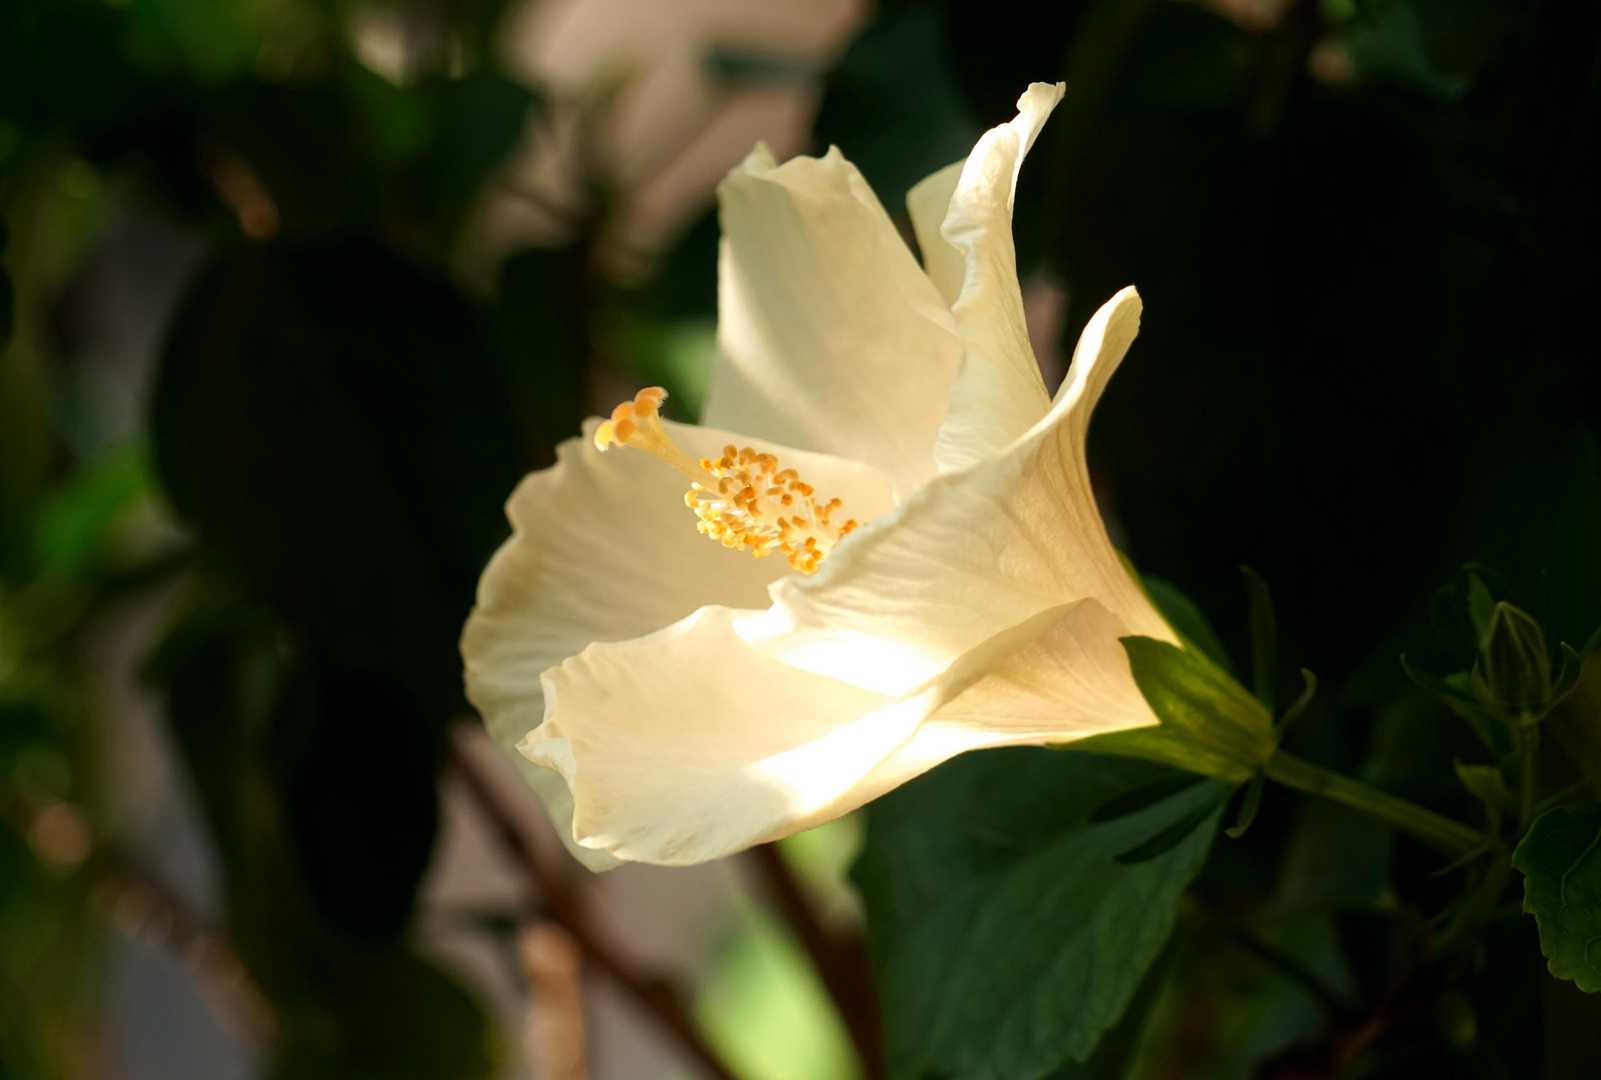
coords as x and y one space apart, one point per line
1210 723
1513 677
1213 726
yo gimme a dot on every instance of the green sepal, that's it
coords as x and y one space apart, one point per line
1298 706
1487 785
1512 676
1210 723
1248 806
1560 859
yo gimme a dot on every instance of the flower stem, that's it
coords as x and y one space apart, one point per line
1528 748
1444 835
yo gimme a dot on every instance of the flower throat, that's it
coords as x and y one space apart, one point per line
743 499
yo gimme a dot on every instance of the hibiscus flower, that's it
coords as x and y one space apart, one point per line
879 551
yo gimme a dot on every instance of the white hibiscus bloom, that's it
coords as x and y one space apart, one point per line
937 578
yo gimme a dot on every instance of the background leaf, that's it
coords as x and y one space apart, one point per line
1007 936
1561 863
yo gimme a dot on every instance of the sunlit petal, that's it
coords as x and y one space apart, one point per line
604 549
998 393
971 554
687 744
830 337
1049 680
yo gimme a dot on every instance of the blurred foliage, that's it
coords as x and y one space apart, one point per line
1364 233
764 1009
293 413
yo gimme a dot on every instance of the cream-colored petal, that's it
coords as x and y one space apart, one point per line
998 393
972 553
830 337
687 744
604 549
1060 676
927 203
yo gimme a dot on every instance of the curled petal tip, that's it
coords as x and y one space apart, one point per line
1053 92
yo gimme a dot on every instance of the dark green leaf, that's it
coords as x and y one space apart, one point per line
361 810
397 1017
481 118
1561 863
1117 1048
1140 796
893 106
351 1013
328 422
1172 836
1185 616
1264 638
1210 724
542 339
1008 936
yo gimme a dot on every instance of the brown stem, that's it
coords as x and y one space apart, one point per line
563 907
144 909
841 961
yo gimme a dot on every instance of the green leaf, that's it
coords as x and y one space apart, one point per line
1140 796
1561 863
76 521
344 1013
1007 935
1185 616
893 104
396 1017
1210 724
330 424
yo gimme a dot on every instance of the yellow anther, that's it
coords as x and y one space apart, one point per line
737 497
